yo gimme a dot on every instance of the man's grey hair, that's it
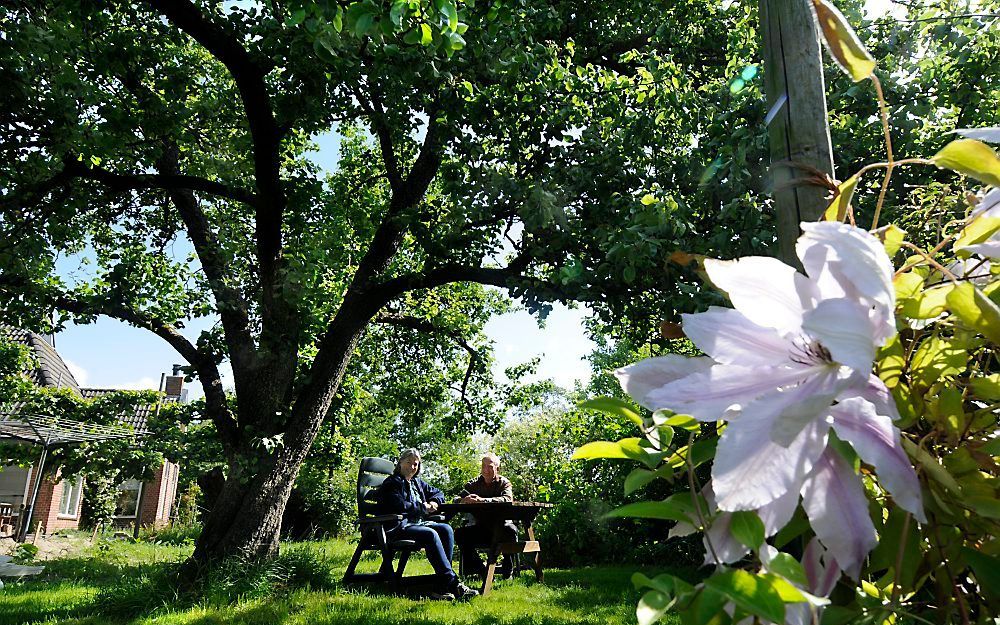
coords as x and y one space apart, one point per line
492 457
407 453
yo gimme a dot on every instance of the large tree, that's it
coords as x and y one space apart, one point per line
512 143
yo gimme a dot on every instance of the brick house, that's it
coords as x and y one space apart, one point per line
59 500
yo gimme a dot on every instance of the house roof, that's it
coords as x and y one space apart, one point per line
52 371
142 413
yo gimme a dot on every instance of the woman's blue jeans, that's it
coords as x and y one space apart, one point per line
438 540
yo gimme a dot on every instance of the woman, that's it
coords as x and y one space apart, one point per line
406 494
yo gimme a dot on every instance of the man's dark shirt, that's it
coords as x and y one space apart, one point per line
499 490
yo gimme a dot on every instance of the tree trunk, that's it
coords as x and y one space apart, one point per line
245 521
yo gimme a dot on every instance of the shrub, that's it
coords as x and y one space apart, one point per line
174 534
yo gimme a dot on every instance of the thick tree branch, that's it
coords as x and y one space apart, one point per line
207 369
232 307
446 274
204 365
249 78
376 112
164 181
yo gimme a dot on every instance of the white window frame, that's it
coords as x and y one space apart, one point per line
138 499
74 488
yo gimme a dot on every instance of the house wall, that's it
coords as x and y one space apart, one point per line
47 509
158 497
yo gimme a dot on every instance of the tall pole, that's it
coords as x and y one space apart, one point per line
25 526
798 131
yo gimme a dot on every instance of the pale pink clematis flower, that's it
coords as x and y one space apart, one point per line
790 361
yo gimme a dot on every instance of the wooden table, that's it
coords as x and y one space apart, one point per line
494 514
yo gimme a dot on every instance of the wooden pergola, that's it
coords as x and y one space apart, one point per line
50 432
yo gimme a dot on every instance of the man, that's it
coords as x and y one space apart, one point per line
490 486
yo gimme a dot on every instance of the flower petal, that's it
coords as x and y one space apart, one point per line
723 543
802 404
767 291
709 395
835 503
991 134
646 375
842 326
778 513
845 261
821 568
877 441
731 339
989 248
875 391
989 206
751 470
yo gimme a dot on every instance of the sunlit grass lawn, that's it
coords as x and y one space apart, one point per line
69 593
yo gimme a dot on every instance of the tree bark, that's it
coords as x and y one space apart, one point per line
245 521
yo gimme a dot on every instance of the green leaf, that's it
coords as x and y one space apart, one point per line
892 239
837 211
664 582
986 569
397 12
842 42
761 595
426 37
972 158
637 479
747 528
613 406
677 507
702 451
937 358
929 303
932 466
338 20
683 421
907 285
451 12
976 310
706 608
981 229
364 24
297 17
786 566
987 388
599 449
992 447
456 41
648 199
652 606
984 506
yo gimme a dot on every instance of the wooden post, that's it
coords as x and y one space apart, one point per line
798 131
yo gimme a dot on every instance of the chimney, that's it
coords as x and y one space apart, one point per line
173 386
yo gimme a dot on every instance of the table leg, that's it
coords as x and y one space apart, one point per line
491 566
537 558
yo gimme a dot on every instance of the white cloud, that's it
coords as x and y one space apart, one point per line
78 372
142 384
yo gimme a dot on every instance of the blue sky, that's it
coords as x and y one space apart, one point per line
110 354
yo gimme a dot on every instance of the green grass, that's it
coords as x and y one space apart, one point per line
126 583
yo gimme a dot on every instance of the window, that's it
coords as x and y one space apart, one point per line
70 504
128 498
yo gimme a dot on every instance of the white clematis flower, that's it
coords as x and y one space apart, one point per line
792 360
